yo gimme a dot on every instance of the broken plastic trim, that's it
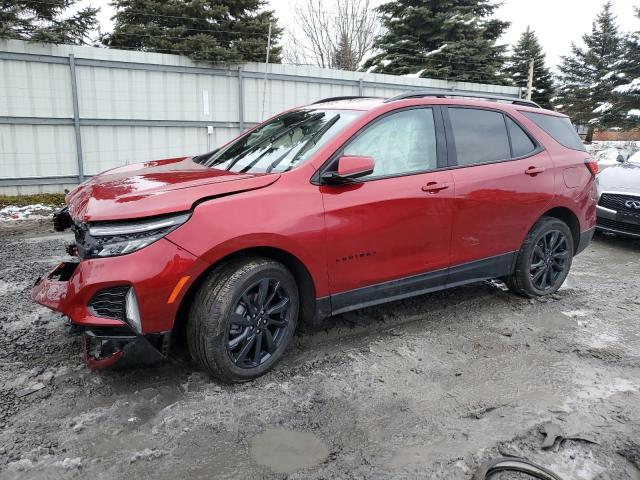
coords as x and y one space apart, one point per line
109 347
513 464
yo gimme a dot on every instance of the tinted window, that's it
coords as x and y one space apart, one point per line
281 143
402 142
480 135
559 128
521 144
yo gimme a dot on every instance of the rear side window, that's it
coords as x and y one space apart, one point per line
480 136
559 128
521 144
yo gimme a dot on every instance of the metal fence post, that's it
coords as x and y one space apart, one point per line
360 87
76 116
240 100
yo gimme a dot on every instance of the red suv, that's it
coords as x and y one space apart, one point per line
346 203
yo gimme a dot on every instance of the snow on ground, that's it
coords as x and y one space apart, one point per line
606 152
37 210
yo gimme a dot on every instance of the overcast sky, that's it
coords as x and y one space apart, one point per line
556 22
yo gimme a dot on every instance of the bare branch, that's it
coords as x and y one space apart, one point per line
338 35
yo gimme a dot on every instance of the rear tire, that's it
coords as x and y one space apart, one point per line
544 260
242 319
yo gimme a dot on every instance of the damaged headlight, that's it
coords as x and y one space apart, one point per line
108 239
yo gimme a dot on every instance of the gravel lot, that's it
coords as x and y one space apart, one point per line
425 388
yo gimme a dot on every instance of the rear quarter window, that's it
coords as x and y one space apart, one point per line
559 128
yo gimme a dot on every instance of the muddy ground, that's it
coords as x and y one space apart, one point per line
424 388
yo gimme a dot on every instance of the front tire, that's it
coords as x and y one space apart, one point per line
242 319
544 260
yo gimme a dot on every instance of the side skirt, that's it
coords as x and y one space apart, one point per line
492 267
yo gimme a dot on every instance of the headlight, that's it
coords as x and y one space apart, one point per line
108 239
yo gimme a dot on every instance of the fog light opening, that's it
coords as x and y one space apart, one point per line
132 313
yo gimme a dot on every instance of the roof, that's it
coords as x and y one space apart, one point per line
438 98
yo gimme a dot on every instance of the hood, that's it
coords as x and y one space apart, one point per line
155 188
623 177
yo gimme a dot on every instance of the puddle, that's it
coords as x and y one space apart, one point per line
285 451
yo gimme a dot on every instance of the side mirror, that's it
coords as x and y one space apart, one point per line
620 158
350 167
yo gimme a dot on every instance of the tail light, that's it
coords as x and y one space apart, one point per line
592 165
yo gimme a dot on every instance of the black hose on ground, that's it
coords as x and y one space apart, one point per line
513 464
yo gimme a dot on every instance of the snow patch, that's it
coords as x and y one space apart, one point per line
605 107
415 75
577 313
146 454
632 87
437 50
606 152
69 463
37 210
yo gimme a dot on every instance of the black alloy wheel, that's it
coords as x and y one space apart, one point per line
544 259
258 323
549 260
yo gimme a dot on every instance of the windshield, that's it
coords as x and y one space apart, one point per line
281 143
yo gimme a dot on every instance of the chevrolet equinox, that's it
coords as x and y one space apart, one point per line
342 204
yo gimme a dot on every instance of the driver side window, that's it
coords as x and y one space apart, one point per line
401 143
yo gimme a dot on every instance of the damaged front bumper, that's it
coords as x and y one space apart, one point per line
124 307
110 348
105 342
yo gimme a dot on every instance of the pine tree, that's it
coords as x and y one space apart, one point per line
45 22
448 39
627 95
344 56
587 76
528 48
211 30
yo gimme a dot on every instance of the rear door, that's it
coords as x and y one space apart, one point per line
393 226
504 181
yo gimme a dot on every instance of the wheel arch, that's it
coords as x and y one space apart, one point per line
307 288
567 216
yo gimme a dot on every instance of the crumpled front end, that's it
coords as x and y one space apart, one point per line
124 306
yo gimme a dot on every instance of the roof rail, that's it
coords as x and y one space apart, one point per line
447 93
335 99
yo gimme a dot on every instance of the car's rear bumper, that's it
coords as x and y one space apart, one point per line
157 276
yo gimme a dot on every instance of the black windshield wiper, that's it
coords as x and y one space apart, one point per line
312 141
272 139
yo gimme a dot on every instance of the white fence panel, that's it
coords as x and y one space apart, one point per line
137 106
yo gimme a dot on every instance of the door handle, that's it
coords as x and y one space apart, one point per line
533 170
434 187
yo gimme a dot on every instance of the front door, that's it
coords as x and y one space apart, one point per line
388 235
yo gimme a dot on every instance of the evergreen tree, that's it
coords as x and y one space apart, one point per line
528 48
211 30
45 22
588 75
345 58
448 39
627 95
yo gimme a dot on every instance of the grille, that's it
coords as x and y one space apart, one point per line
616 201
109 303
622 226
